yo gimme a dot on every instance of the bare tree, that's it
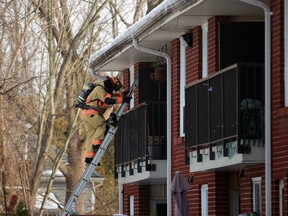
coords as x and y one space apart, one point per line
44 50
66 54
15 85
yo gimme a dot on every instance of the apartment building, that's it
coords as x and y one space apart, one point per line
211 103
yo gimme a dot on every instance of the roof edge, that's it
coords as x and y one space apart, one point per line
137 30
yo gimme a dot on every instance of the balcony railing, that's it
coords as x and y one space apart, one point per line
226 108
141 135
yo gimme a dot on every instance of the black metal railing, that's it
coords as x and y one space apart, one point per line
228 105
141 133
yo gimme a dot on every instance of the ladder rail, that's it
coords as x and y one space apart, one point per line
96 159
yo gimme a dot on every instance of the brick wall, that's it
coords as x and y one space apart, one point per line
279 112
126 79
213 45
194 57
246 187
218 183
175 76
136 92
218 193
193 73
141 195
178 151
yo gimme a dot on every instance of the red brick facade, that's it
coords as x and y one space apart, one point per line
246 187
140 192
219 183
194 57
141 199
126 79
279 111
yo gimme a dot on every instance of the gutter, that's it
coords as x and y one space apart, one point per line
267 13
169 143
96 76
168 9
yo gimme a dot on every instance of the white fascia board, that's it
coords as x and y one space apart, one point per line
137 30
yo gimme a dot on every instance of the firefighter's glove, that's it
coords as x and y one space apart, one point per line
112 121
79 103
82 106
95 148
127 99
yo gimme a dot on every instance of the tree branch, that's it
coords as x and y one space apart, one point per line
17 85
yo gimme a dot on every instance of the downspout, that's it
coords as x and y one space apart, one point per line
96 76
121 202
268 14
169 170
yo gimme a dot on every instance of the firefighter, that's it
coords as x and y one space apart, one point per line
102 96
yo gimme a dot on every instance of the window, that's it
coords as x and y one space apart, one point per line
204 200
131 203
286 50
204 50
281 197
257 195
183 46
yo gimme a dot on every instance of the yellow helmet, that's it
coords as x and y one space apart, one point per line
117 85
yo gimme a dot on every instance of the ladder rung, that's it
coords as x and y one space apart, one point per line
88 172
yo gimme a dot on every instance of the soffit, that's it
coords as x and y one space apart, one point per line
170 28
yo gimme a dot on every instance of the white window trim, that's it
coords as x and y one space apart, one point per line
281 198
131 203
205 50
204 200
183 46
256 181
286 51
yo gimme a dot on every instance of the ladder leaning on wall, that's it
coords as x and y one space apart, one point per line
90 169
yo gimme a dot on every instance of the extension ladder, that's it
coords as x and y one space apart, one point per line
90 169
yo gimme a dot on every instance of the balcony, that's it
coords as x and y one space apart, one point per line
140 144
225 119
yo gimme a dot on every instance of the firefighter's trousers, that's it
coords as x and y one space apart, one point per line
95 127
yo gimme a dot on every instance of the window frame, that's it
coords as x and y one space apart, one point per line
204 200
205 50
131 205
281 197
183 46
257 183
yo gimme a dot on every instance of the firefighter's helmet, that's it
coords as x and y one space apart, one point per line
117 85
